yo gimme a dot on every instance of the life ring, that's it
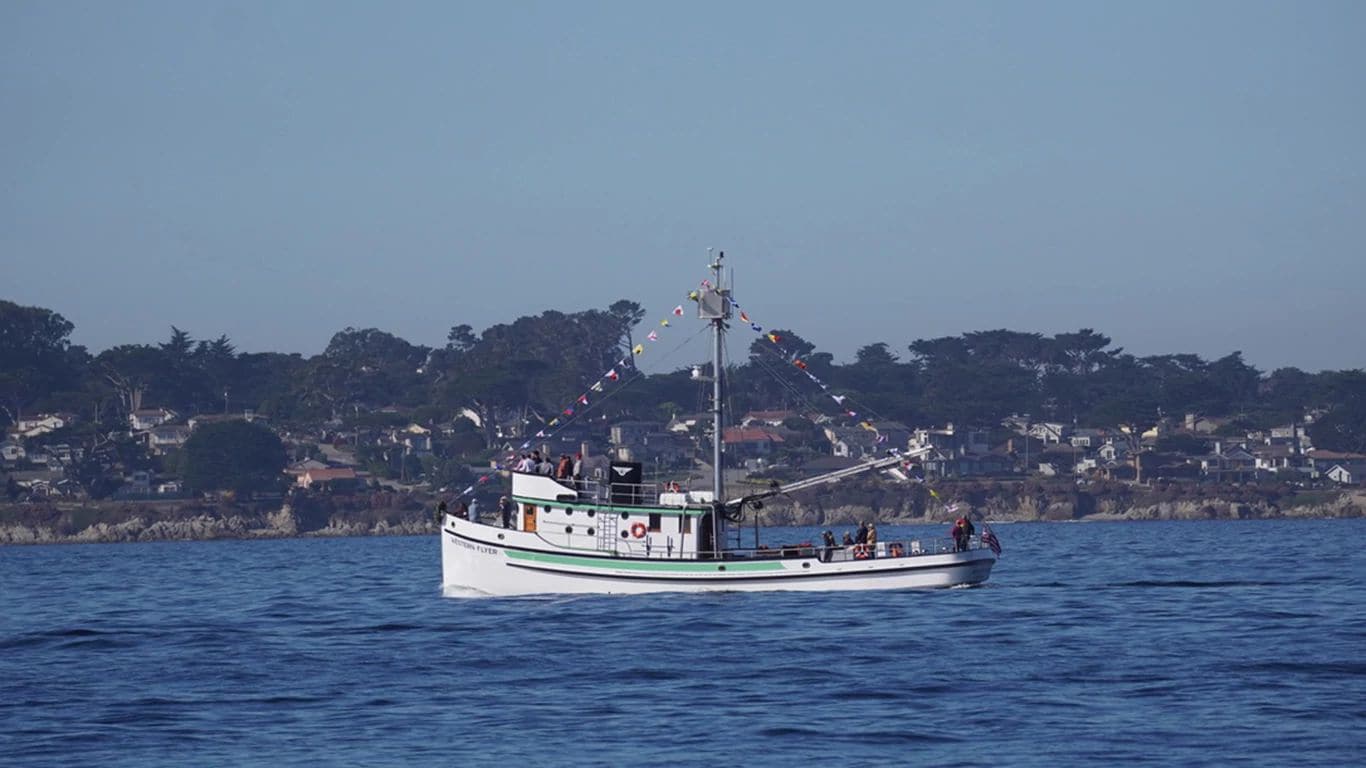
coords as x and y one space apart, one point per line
895 550
638 530
860 551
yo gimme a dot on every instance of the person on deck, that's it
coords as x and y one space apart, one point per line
462 511
848 540
565 467
505 511
962 534
871 541
828 539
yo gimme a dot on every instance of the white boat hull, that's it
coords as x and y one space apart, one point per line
496 561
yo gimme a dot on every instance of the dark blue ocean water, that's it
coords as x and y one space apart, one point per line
1190 643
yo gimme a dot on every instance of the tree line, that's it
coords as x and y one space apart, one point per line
537 364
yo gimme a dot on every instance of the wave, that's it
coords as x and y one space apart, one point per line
1196 584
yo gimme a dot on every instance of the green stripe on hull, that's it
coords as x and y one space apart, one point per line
663 566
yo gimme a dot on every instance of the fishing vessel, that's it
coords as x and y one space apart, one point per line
621 535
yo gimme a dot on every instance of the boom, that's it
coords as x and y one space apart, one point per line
889 463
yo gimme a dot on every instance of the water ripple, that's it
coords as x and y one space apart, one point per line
1153 643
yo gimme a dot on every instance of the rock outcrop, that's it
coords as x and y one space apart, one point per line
176 521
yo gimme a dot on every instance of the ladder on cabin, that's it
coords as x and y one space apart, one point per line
608 527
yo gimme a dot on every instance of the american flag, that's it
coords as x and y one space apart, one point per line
989 539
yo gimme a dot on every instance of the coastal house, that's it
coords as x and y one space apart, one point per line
850 442
951 440
1049 432
891 435
1228 464
661 448
1203 425
331 478
1019 450
144 419
42 424
1279 457
166 437
687 423
63 454
1322 461
769 418
304 465
627 434
1344 475
137 483
1116 451
415 442
751 442
1293 435
12 452
1090 438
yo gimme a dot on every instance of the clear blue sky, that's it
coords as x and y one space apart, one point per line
1185 177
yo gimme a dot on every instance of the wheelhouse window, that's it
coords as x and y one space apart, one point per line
656 522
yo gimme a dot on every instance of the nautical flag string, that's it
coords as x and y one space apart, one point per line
613 374
795 360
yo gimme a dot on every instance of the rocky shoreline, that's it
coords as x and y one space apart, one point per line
391 514
106 522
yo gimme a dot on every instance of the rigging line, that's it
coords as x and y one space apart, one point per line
863 407
792 389
627 380
796 391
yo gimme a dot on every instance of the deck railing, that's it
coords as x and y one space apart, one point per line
843 553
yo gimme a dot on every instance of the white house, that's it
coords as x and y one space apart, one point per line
166 436
12 451
42 424
146 418
1343 475
1048 432
1114 450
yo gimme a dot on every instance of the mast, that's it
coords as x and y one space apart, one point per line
718 335
714 306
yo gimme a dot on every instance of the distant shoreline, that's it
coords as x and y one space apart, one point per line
400 515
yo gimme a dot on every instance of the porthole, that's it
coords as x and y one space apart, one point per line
625 516
591 532
569 529
591 513
500 535
568 512
806 565
720 567
625 534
